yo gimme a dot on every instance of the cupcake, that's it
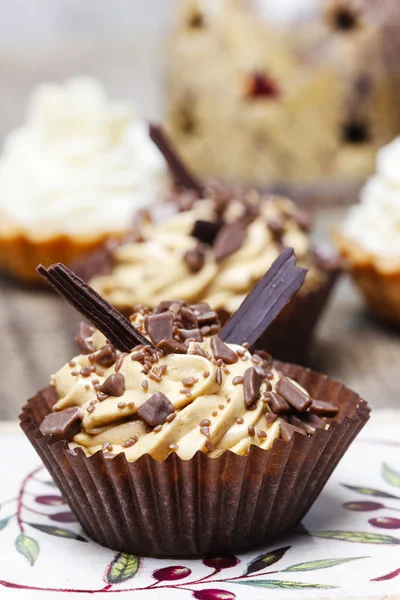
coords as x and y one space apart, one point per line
169 436
369 239
72 175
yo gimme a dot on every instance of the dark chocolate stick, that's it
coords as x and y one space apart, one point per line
179 170
117 329
265 301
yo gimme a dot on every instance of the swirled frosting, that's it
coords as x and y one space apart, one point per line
187 393
166 261
80 164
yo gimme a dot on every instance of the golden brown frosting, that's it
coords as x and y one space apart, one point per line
156 267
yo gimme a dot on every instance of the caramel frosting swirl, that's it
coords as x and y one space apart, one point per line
166 261
181 395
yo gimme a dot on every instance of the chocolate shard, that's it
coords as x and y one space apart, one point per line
264 303
116 328
62 425
106 356
172 347
229 239
287 431
159 327
309 422
251 386
82 338
206 231
188 317
276 403
292 394
156 409
222 351
323 409
183 177
114 385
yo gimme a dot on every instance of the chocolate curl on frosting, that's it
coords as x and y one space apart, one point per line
117 329
179 170
264 303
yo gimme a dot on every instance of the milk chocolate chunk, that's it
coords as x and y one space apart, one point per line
222 351
323 409
308 422
251 386
189 318
264 303
85 346
276 403
172 347
287 431
206 231
292 394
156 409
277 229
162 307
194 334
229 239
208 318
62 425
195 259
159 327
116 328
106 356
114 385
183 177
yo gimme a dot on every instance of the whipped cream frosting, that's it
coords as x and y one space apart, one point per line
155 267
80 164
214 397
374 224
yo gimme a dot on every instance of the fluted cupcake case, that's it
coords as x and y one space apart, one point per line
203 505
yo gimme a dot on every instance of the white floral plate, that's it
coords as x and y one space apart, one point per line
348 545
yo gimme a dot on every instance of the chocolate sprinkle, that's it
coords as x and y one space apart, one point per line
229 239
159 327
265 301
114 385
116 328
251 386
156 409
292 394
222 351
183 177
62 425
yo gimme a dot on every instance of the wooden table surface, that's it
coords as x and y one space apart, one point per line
36 334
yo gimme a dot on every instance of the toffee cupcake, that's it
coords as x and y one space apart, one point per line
369 239
72 176
238 446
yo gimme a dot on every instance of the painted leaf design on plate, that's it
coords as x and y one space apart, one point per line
4 522
390 475
123 567
391 575
362 537
58 531
370 491
266 560
276 583
28 547
325 563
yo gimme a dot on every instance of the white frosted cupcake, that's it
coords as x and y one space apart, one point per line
73 175
370 237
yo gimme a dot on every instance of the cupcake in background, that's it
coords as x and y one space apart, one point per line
369 239
73 175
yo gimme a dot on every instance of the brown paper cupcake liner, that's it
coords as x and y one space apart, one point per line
203 505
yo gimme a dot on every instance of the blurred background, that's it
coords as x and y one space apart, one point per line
146 52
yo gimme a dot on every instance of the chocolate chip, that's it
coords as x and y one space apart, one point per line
229 239
251 386
222 351
81 339
106 356
307 421
206 231
237 380
159 327
195 259
62 425
292 394
114 385
276 403
270 418
323 409
156 409
194 334
171 347
288 430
